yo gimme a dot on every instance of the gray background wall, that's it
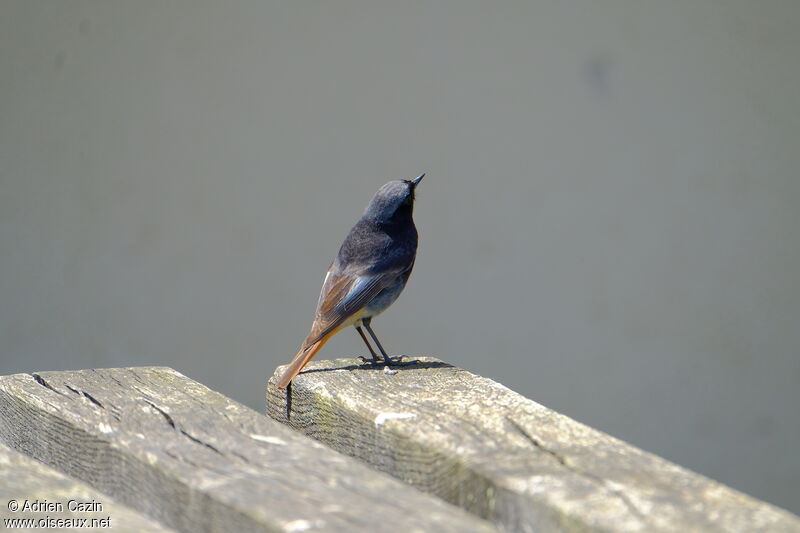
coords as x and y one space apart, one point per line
609 226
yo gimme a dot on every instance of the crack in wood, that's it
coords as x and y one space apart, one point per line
41 381
86 395
198 441
183 432
165 414
288 402
538 444
93 400
562 460
240 456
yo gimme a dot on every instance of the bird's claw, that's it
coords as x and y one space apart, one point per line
386 361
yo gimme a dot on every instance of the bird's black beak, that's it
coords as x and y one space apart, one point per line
416 181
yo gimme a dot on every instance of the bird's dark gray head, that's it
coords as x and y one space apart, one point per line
393 202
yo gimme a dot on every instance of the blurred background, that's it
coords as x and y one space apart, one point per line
609 224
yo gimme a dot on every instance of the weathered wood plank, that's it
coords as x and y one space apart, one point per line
31 491
504 457
197 461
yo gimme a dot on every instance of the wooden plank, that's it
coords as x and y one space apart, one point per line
33 495
499 455
197 461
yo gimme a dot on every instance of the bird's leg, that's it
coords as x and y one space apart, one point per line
374 359
386 358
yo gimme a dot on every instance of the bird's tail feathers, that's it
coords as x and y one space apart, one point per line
301 360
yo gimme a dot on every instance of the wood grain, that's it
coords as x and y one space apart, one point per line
23 479
503 457
197 461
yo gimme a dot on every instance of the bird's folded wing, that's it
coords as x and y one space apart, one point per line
342 295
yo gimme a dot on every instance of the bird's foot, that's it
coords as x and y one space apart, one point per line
398 361
388 360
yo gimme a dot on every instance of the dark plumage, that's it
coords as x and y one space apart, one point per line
368 274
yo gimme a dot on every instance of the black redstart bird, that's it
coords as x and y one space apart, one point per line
368 274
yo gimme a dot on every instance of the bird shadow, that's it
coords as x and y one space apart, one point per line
404 365
414 364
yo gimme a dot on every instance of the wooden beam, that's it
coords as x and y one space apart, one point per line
503 457
197 461
33 495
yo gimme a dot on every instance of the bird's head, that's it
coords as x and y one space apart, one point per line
392 201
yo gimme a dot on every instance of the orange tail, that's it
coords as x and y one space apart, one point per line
301 360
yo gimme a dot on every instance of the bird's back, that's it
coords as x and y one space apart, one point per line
371 247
